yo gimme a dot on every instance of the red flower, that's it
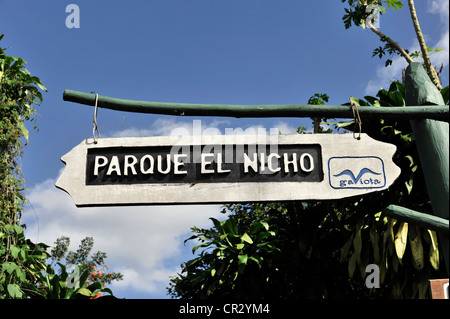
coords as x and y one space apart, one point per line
97 296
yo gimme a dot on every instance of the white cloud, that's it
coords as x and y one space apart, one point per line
440 7
150 280
285 128
160 127
384 75
442 57
139 241
172 127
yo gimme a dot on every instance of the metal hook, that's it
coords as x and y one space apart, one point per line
357 118
94 124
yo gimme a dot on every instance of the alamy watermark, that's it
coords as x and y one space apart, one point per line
73 19
211 138
207 145
373 278
374 16
73 280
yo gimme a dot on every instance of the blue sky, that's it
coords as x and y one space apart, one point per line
192 51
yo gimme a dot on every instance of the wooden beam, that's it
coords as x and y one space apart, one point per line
440 113
413 217
432 141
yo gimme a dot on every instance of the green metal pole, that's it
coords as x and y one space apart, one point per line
420 219
257 111
432 144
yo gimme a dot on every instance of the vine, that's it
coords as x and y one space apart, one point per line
20 93
24 268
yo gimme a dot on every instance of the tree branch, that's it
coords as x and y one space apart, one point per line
426 57
402 52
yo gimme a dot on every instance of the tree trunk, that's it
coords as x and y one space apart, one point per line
423 47
316 122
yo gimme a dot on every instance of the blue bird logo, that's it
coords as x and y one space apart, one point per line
357 178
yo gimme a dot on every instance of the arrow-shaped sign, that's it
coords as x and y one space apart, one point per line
226 169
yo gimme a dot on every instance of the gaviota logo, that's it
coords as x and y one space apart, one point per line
356 172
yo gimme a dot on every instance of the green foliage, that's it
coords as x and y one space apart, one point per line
317 99
417 54
24 272
388 48
321 249
408 255
21 260
77 280
94 264
357 14
235 254
65 285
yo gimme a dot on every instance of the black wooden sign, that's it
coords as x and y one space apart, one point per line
209 164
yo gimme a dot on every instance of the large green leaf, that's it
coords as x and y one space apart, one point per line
231 226
415 242
84 291
374 239
247 238
372 100
346 248
218 225
9 267
394 4
257 227
401 240
357 241
434 250
24 130
14 251
14 291
194 249
352 265
243 259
